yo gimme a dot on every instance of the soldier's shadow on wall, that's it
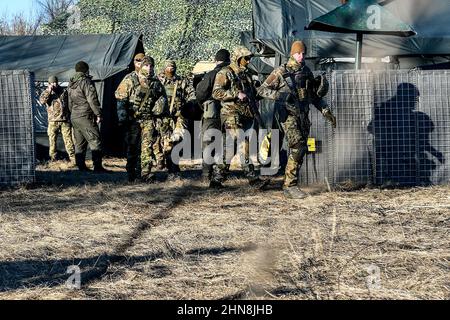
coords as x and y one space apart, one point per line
404 155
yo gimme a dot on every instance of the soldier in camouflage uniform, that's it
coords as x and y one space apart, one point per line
294 83
232 87
179 92
56 101
149 108
125 95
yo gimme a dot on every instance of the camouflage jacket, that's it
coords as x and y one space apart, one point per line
125 93
150 100
226 88
179 96
293 85
57 104
83 98
143 98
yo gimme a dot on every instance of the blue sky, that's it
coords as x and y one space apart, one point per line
16 6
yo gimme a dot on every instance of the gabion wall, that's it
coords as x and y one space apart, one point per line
393 130
17 155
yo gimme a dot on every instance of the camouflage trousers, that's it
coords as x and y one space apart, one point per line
168 129
297 131
232 125
151 148
54 128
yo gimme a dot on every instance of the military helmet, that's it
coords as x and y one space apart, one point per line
170 64
147 60
82 66
139 57
53 79
241 52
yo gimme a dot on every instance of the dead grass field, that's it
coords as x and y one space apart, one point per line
180 240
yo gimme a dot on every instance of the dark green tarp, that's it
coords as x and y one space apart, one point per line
278 22
107 55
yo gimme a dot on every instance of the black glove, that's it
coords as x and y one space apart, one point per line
122 113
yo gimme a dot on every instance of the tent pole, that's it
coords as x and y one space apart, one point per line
359 42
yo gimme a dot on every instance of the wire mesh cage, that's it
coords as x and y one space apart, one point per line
17 153
393 130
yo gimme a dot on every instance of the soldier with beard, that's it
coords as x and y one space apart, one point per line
295 83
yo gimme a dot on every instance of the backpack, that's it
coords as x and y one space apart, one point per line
204 89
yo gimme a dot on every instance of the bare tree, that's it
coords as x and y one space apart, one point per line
19 24
53 9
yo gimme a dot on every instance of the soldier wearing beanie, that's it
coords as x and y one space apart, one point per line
294 83
211 117
55 99
85 116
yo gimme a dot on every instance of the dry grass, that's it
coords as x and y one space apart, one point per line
179 240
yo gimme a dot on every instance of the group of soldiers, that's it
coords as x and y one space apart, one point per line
151 109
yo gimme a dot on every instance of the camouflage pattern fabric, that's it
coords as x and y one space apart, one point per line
57 104
297 96
65 128
235 114
150 149
150 107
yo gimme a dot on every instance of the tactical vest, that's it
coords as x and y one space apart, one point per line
145 98
301 86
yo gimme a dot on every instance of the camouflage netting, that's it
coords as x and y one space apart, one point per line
184 30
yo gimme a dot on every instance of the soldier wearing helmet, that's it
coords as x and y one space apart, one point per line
141 103
125 94
234 89
179 92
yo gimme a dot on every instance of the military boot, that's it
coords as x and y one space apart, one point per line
254 179
214 184
148 177
97 158
294 193
81 162
131 176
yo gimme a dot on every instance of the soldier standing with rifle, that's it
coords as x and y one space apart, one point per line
125 95
179 92
149 107
233 88
295 83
